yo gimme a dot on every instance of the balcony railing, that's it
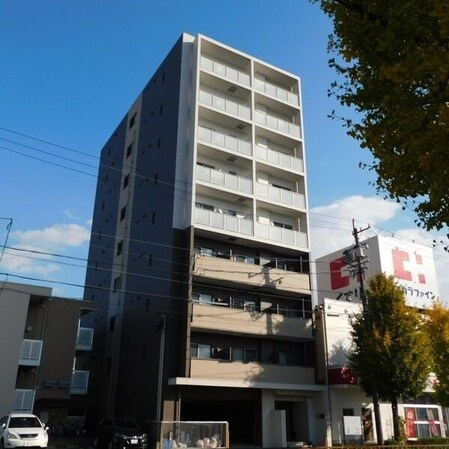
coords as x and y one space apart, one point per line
252 372
281 159
225 104
282 196
277 92
80 382
222 179
224 140
238 321
223 222
282 235
23 400
278 124
84 339
225 71
30 353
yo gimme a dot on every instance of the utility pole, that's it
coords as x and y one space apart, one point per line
162 329
356 257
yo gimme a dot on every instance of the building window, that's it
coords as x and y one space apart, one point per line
129 150
422 422
119 247
200 351
202 298
348 412
126 181
159 142
117 283
132 120
123 213
243 354
204 251
112 322
278 224
161 109
204 206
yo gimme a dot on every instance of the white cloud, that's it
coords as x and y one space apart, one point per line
58 238
331 225
53 237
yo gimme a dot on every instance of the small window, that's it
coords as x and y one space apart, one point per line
123 213
161 109
250 355
126 181
129 150
205 206
237 354
117 283
159 142
132 120
348 412
112 322
200 351
119 247
278 224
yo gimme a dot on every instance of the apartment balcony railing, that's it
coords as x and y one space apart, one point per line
282 235
223 222
281 159
30 353
224 140
282 196
251 373
238 321
225 71
222 179
80 382
84 339
23 400
261 277
277 92
225 104
278 124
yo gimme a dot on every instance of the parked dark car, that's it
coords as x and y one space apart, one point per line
120 433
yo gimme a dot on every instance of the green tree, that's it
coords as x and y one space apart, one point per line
389 347
392 58
437 326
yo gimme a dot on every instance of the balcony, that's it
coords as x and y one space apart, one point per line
80 382
224 104
280 196
223 140
258 276
84 339
282 160
30 353
278 124
250 373
243 322
282 235
23 400
222 179
276 92
223 222
224 70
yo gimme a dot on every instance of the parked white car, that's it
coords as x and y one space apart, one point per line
22 430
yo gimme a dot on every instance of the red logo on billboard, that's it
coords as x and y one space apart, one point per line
337 280
399 259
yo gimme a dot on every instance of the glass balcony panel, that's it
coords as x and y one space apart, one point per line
203 173
202 217
244 79
259 85
84 338
260 117
217 220
270 89
218 102
217 177
80 382
219 68
276 234
275 194
245 185
288 236
232 74
205 134
244 112
30 353
232 143
232 223
263 231
287 197
244 147
272 122
23 400
295 130
218 139
205 98
283 126
281 94
232 182
246 226
285 161
207 64
232 108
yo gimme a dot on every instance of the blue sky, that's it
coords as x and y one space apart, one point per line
70 71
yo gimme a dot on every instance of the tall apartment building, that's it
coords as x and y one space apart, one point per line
199 254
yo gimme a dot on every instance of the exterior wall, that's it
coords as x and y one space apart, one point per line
14 308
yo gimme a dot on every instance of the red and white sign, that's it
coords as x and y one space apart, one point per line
411 264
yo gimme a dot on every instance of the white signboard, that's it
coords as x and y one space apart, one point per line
411 264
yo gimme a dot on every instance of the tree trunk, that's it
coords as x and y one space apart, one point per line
394 411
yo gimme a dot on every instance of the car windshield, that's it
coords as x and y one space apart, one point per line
125 423
24 421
